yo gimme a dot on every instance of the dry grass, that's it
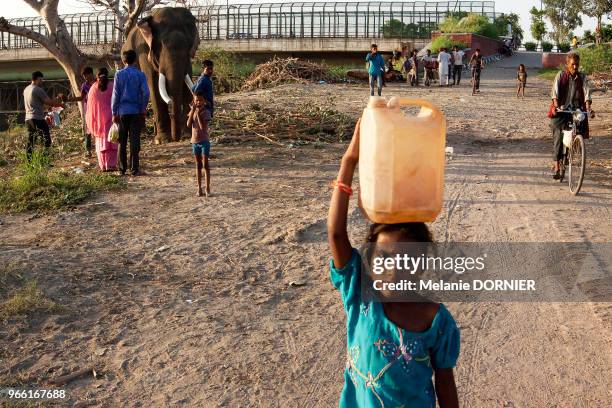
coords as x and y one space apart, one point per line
281 120
287 70
27 300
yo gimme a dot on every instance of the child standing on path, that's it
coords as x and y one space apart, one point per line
477 64
393 348
198 119
521 77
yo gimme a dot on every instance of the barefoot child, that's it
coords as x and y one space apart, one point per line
521 77
393 348
198 119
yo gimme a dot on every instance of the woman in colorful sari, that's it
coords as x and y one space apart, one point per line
100 119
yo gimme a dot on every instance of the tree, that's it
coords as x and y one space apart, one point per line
58 41
393 28
564 16
501 23
597 9
472 23
538 26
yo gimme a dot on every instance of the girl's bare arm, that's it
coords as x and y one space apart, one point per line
190 116
337 234
446 390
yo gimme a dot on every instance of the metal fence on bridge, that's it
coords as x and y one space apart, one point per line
368 19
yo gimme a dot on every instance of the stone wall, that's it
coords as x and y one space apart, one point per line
553 59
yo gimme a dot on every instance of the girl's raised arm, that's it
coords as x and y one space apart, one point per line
337 234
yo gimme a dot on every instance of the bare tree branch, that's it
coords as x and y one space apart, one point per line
35 4
133 16
43 40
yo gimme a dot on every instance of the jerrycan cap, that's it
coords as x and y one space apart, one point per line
377 102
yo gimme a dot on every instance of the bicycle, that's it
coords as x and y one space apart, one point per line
574 151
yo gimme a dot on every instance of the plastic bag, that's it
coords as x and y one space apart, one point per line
567 138
113 134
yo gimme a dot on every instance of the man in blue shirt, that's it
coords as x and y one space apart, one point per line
376 69
129 106
205 86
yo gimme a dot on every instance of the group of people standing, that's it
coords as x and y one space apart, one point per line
122 101
448 64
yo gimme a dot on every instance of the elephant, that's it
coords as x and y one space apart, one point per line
165 42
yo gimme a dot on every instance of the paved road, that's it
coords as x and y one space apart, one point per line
530 59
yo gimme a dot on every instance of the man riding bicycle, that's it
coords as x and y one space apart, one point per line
570 90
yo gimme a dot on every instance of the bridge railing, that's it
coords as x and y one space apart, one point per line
364 19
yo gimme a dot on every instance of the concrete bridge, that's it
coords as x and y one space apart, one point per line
333 28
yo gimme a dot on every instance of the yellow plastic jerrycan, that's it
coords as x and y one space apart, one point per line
401 161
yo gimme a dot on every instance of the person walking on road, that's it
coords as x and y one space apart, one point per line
458 65
570 90
428 68
376 70
129 107
35 99
443 63
477 64
521 78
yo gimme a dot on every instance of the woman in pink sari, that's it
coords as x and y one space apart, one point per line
100 119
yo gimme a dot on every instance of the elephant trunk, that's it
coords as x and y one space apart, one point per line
171 90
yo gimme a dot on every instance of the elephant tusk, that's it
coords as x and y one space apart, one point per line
162 88
189 82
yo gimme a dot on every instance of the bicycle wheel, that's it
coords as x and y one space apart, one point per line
577 160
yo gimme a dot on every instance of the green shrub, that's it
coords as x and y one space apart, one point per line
548 73
472 23
530 46
230 70
444 41
596 59
564 47
546 46
34 185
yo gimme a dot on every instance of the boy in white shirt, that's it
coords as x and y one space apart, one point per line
443 63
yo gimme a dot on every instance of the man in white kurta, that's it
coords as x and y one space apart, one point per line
443 62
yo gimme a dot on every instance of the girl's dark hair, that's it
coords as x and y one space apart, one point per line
521 66
409 231
103 76
87 70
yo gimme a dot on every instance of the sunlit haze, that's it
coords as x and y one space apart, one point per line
20 9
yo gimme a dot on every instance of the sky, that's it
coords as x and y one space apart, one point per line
521 7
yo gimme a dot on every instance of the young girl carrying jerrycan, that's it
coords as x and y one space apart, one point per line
393 348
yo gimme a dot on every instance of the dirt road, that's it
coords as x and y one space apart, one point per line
226 301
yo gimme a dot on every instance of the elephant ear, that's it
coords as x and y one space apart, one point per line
196 42
144 27
194 47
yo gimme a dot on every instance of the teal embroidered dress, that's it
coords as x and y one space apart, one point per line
388 366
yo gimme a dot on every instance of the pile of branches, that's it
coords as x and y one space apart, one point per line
277 123
286 70
601 80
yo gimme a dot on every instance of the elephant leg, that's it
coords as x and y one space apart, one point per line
187 99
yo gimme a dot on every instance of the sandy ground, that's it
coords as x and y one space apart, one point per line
185 301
